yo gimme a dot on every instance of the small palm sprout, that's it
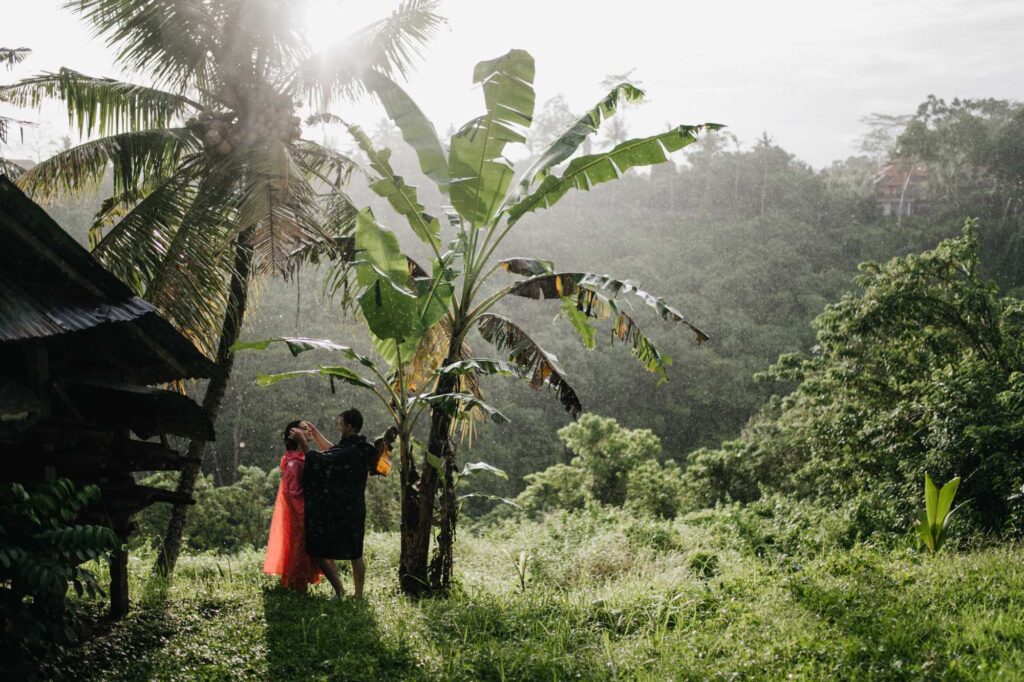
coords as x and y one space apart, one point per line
934 520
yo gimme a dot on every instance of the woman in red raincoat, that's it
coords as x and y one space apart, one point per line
286 547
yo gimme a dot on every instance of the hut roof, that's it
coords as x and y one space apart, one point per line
52 289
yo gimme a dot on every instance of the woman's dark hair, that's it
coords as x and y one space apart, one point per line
289 442
353 418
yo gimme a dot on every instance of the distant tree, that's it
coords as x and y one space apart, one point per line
607 453
10 57
553 118
880 139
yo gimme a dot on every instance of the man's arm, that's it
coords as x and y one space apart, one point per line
318 437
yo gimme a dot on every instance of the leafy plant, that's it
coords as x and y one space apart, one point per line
42 547
487 201
938 509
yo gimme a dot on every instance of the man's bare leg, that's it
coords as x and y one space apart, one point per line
358 576
331 572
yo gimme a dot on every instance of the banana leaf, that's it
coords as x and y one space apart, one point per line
567 144
587 171
416 128
457 404
536 363
480 173
401 196
340 373
527 267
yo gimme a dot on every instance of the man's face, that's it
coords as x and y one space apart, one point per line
344 428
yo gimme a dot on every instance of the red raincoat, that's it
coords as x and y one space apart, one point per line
286 547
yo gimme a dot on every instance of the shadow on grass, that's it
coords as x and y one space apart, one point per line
121 649
318 636
874 612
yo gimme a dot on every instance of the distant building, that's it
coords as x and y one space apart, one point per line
901 188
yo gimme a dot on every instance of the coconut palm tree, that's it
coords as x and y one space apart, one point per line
213 183
10 57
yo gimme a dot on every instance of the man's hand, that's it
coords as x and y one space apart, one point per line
317 437
300 437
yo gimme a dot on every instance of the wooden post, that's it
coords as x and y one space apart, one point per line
119 579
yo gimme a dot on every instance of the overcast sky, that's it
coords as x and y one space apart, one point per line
805 71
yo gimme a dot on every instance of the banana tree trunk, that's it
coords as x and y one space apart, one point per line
412 571
418 506
441 564
230 331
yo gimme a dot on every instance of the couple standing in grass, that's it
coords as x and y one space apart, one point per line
320 511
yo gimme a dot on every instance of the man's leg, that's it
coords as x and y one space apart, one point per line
358 576
331 572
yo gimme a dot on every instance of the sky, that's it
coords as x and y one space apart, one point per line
806 72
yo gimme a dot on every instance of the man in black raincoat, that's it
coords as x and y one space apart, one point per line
334 486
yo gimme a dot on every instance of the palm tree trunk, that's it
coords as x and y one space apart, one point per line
230 331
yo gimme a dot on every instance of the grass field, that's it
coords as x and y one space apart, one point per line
615 599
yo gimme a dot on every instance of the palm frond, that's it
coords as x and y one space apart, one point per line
538 364
259 39
141 221
139 158
187 280
332 167
10 56
388 46
173 41
10 169
276 203
7 123
100 105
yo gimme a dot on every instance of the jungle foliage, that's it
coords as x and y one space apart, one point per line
921 371
43 546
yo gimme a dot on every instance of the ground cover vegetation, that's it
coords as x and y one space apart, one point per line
608 595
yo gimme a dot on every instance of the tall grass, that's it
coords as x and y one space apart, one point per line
607 597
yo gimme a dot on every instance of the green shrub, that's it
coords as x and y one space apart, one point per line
42 547
919 371
613 466
607 452
225 518
655 489
562 486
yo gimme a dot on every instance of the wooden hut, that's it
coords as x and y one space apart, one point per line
79 355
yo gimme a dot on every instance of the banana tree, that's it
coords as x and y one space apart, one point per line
400 303
486 202
213 184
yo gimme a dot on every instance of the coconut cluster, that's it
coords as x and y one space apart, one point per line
261 116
